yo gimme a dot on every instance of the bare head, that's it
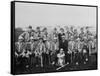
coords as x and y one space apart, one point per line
61 51
75 30
62 30
38 28
31 39
55 39
20 39
63 37
82 29
29 29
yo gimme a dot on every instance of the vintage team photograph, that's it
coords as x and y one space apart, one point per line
51 37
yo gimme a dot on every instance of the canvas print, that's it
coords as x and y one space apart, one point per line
51 37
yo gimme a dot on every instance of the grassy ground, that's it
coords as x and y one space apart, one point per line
71 67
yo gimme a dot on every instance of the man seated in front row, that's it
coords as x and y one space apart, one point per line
61 57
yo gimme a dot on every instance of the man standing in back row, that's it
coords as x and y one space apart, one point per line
27 34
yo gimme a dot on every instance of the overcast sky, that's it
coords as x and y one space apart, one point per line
49 15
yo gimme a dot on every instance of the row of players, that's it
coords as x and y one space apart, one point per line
38 48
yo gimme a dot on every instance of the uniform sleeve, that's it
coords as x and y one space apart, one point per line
16 47
23 34
58 55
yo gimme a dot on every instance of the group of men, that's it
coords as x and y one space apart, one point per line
39 48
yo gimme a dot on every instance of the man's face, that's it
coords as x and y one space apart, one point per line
41 40
32 33
55 40
87 29
61 51
75 31
82 30
78 40
20 40
71 28
67 29
46 30
63 38
32 40
62 31
38 29
72 38
55 29
29 30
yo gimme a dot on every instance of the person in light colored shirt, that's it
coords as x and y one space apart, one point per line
54 50
78 51
19 47
27 34
61 58
71 49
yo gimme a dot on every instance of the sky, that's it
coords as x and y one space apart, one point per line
53 15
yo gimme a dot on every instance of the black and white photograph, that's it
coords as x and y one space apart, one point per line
53 37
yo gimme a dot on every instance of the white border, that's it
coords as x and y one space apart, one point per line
5 38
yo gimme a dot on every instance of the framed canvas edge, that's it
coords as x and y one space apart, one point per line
12 35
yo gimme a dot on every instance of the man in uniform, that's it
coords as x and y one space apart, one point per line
32 46
71 50
55 33
85 51
88 33
27 34
45 32
75 34
39 53
67 33
19 51
72 30
60 36
37 33
78 51
54 50
61 58
82 34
